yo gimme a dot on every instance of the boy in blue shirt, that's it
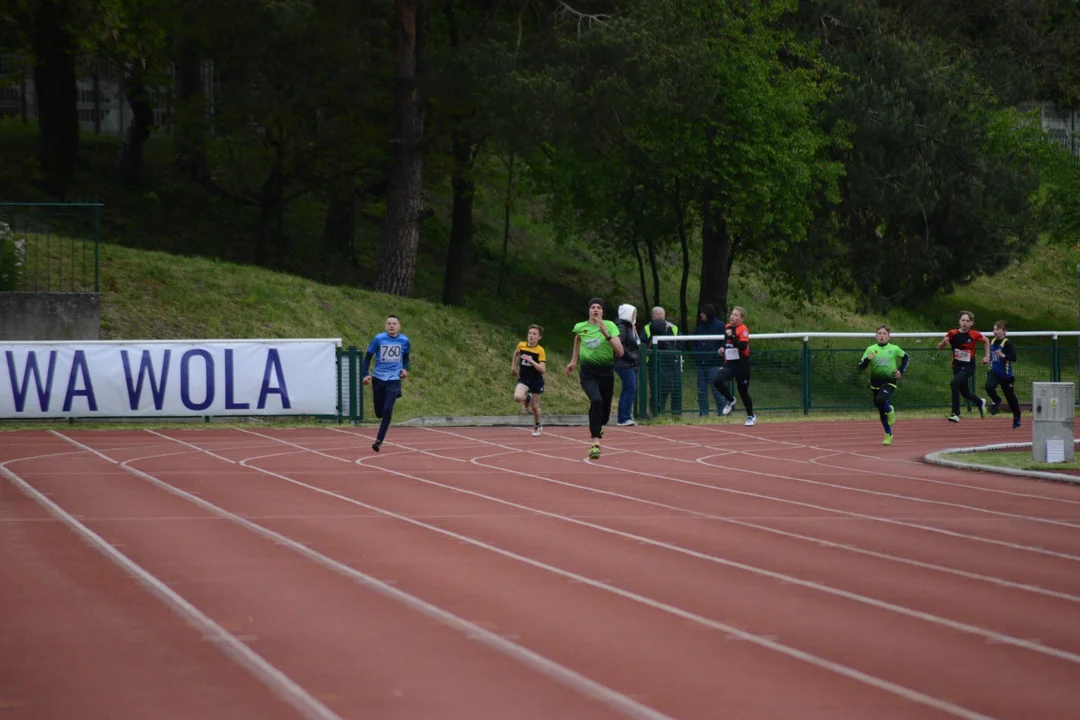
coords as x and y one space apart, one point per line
391 352
1002 357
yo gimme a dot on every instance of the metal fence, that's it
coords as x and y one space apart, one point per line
794 372
50 247
350 392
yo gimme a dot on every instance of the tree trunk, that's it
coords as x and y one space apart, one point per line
641 277
461 227
716 255
684 242
405 203
651 247
508 205
189 134
53 47
129 162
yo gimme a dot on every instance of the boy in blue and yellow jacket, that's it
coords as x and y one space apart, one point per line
1002 357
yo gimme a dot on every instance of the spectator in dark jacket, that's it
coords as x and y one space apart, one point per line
666 378
708 359
626 367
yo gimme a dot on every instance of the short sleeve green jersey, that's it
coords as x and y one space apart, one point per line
885 360
595 350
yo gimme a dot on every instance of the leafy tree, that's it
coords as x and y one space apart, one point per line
710 108
1063 197
1025 50
940 180
133 35
769 166
289 115
612 201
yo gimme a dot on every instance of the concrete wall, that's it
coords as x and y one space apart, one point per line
50 316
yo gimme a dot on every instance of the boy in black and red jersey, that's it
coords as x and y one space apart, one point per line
736 354
964 342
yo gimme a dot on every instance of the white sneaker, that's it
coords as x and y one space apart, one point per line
538 431
728 408
627 423
750 421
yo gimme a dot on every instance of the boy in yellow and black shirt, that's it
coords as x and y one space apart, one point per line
529 365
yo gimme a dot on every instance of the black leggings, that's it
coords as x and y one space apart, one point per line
599 385
384 393
961 385
882 397
1007 388
740 370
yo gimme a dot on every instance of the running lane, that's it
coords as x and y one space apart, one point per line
872 639
358 651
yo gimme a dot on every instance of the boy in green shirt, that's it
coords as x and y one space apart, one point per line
887 364
596 343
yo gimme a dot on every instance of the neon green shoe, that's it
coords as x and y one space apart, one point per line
887 440
594 454
891 417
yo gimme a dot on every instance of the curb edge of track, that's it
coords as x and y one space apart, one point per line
936 458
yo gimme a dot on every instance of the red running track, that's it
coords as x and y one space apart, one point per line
782 571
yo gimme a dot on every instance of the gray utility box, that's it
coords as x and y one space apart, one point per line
1052 410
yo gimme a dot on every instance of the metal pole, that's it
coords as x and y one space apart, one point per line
97 254
24 101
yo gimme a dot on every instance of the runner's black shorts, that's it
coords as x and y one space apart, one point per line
535 385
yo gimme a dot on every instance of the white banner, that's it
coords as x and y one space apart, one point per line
168 378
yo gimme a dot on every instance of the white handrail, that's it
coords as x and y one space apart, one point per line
806 336
232 341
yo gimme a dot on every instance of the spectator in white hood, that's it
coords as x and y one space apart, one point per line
627 365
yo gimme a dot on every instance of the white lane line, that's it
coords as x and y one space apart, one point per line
818 541
787 501
782 577
275 680
181 442
560 673
762 641
948 483
847 488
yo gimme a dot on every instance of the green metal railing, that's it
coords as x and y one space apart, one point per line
350 392
793 372
50 247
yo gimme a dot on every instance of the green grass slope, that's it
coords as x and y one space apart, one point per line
460 360
461 364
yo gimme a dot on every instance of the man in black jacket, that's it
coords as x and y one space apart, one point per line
666 378
707 357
